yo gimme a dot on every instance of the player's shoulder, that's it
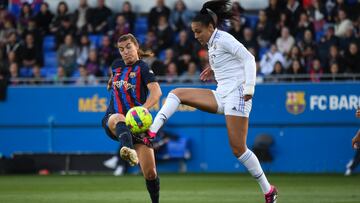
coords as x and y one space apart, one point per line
143 65
226 36
117 63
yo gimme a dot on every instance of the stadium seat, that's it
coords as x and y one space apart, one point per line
141 38
175 149
262 51
15 9
95 40
49 43
253 19
25 72
319 34
76 73
162 55
50 59
48 72
141 26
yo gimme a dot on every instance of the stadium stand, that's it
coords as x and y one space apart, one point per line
298 16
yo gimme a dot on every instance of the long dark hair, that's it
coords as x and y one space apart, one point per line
214 12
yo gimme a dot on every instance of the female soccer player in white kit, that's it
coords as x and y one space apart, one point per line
234 69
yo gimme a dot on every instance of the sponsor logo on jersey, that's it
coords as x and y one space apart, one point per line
122 83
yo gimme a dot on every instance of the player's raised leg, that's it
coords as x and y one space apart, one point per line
202 99
118 127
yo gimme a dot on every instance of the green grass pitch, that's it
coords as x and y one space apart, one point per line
177 188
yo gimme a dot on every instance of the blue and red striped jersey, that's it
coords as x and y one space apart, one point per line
129 85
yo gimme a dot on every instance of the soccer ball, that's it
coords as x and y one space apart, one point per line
138 119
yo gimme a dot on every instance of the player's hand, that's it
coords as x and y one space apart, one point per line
247 97
206 74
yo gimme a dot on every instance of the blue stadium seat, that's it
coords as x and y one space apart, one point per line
141 38
49 43
25 72
175 149
48 72
50 59
162 55
141 26
76 73
262 51
15 9
319 34
95 40
253 19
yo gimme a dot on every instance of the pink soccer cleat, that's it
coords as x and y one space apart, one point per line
271 196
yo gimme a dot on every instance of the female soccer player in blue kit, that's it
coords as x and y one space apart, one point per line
129 86
234 69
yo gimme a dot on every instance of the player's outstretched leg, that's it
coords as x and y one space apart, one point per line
167 110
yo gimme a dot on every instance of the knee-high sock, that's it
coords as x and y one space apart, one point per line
124 135
168 109
153 186
251 162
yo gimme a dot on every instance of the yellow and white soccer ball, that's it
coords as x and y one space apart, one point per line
138 119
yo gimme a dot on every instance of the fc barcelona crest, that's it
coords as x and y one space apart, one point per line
132 74
295 102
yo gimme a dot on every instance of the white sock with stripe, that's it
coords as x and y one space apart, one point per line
251 162
167 110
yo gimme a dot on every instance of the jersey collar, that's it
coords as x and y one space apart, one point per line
211 40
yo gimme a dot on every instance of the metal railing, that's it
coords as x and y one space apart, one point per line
283 78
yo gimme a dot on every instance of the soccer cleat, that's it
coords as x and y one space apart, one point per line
129 155
271 196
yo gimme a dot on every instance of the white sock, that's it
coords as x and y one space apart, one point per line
168 109
251 162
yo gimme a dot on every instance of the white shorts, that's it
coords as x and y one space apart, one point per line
233 104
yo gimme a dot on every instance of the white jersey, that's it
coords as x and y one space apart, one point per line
232 63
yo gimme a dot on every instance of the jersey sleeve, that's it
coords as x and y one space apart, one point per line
147 74
239 51
116 64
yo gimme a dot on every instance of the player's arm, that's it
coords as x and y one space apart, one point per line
108 87
154 95
240 52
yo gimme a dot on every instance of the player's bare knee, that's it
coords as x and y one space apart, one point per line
114 119
150 174
238 151
179 92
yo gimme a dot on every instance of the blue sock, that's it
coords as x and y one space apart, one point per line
124 135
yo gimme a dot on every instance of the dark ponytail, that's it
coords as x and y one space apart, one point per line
215 12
